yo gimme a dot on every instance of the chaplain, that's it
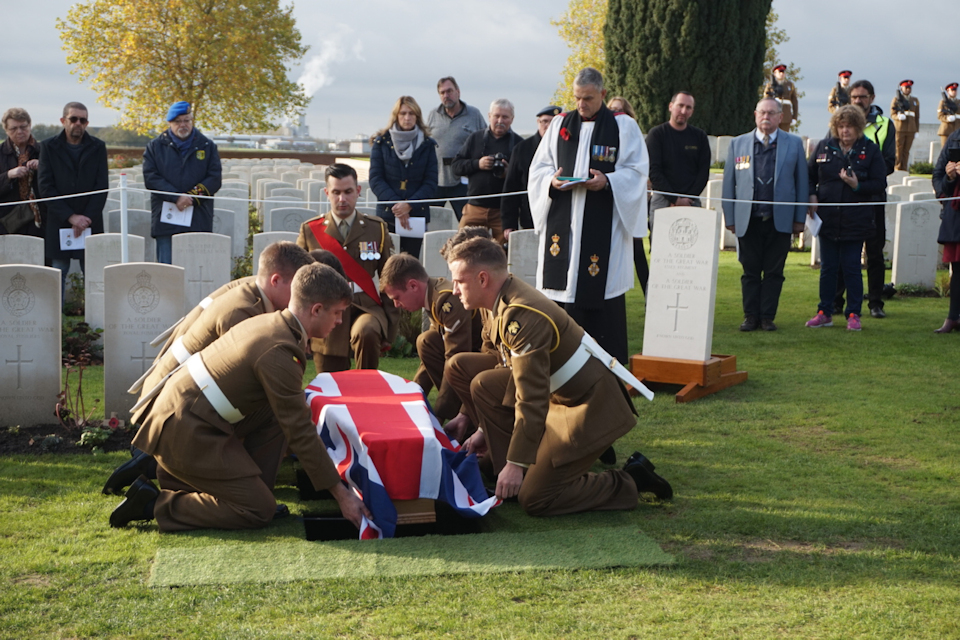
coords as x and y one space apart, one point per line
591 165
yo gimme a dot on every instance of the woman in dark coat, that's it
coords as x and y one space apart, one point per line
946 185
19 159
403 166
846 167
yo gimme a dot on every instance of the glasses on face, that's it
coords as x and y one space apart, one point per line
768 113
859 96
22 127
76 119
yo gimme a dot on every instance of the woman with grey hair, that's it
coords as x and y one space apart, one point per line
19 159
845 168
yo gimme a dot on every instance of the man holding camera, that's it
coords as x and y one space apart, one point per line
483 160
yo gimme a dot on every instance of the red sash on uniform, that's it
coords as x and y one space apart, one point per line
351 267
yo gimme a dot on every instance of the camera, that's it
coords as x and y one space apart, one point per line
499 164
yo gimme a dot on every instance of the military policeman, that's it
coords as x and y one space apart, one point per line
947 112
905 113
784 92
840 94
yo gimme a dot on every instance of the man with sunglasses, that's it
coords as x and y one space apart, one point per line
73 162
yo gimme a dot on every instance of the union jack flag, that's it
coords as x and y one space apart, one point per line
387 444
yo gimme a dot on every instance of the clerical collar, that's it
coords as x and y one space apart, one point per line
759 136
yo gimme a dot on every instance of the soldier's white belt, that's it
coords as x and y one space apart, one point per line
590 347
160 339
179 351
784 101
208 386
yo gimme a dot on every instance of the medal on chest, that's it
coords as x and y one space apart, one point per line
369 251
742 162
601 153
594 268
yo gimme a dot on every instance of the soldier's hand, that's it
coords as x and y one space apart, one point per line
597 181
351 506
509 481
477 443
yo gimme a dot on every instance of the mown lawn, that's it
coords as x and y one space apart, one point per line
817 500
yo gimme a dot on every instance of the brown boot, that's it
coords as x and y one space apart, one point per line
948 326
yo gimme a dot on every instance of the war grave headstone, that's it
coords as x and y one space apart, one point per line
290 193
142 299
286 218
262 240
235 200
915 249
681 295
138 223
19 249
523 255
206 260
223 224
103 250
30 366
430 256
442 219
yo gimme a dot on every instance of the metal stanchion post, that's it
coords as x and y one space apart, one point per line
124 246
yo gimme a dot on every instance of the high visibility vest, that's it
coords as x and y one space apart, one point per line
878 129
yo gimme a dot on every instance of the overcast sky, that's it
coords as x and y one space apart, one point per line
365 54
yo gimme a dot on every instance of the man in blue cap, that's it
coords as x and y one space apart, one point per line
182 161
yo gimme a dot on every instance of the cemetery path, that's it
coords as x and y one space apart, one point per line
43 439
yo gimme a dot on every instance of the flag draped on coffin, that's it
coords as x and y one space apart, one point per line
387 444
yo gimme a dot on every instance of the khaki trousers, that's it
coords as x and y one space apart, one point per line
460 371
474 216
430 374
365 338
904 143
548 490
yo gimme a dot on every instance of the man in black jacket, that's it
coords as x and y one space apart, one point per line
72 162
515 210
483 160
182 161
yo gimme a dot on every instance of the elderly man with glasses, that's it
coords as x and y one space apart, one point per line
73 162
184 164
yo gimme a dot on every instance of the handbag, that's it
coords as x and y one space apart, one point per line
20 216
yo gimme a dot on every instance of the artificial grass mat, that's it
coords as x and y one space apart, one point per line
496 552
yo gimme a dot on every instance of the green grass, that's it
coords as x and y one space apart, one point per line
816 500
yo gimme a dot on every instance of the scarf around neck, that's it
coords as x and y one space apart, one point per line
405 142
183 146
26 183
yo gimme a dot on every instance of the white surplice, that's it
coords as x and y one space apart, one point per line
629 184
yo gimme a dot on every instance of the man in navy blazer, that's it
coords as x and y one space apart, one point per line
765 166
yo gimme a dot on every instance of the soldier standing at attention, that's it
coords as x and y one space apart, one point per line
905 113
784 92
947 112
840 94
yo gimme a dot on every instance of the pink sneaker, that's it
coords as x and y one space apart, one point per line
820 320
853 322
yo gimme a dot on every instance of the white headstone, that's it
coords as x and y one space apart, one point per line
235 200
206 260
430 256
923 195
723 146
442 219
18 249
814 251
103 250
523 255
138 223
915 250
276 202
265 187
682 287
29 344
712 141
286 218
290 193
890 224
142 299
727 239
223 224
262 240
291 176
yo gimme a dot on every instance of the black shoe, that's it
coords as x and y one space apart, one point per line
767 325
641 470
141 465
137 505
878 312
609 456
282 511
749 324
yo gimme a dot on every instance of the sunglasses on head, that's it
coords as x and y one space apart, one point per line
76 119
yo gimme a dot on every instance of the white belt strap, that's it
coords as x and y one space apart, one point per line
212 392
589 347
179 351
206 302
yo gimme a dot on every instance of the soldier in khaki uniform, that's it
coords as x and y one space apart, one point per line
362 244
550 407
905 113
214 425
452 330
840 94
784 92
949 113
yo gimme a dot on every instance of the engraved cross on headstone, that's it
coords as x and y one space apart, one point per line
676 308
916 257
200 280
143 358
19 361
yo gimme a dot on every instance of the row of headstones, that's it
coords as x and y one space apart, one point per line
911 222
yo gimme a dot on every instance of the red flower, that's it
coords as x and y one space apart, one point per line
564 134
114 422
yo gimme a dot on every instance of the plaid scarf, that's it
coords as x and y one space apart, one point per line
26 182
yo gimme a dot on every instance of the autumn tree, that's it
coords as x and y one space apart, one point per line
715 50
581 27
228 59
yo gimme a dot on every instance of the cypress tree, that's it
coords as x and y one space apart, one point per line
712 48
